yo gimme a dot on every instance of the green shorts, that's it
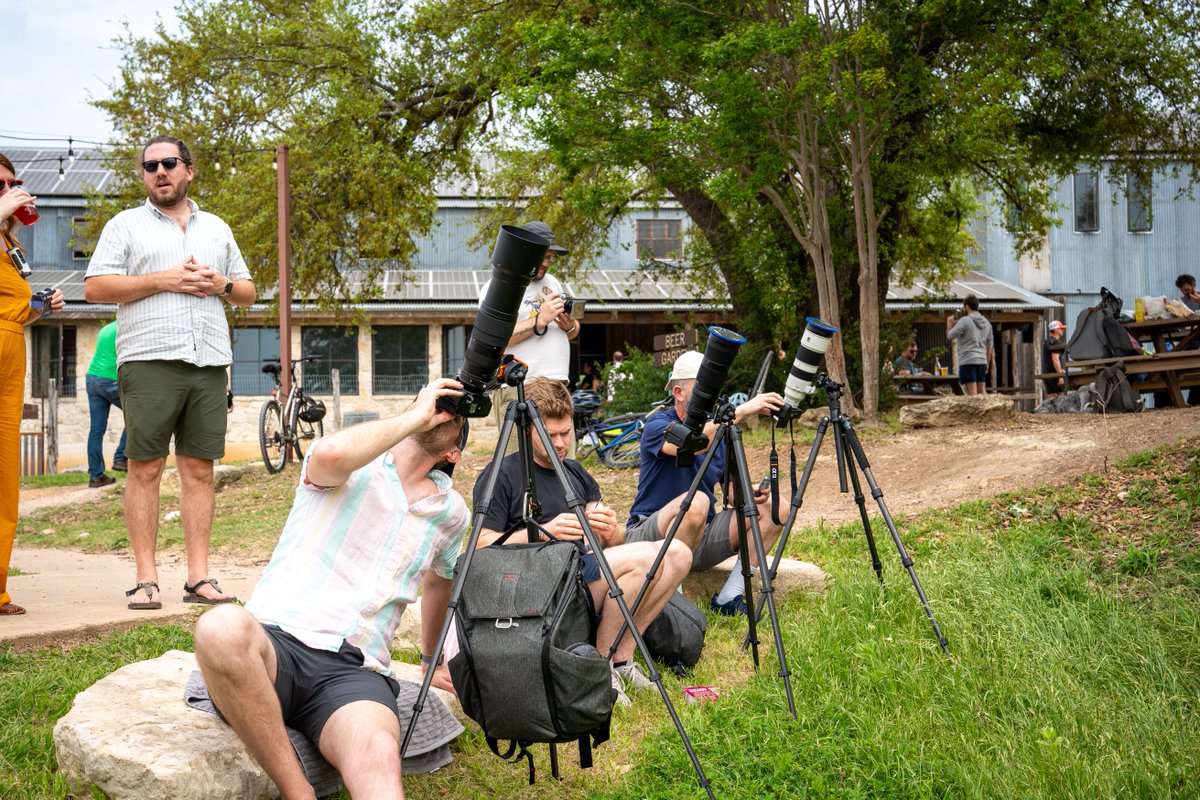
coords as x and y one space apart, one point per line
173 398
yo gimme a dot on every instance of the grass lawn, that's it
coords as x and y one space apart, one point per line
1072 616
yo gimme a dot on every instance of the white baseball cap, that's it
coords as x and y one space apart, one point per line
686 367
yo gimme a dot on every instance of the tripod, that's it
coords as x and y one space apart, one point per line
749 532
845 439
524 416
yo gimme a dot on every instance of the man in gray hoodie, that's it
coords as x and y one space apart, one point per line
974 335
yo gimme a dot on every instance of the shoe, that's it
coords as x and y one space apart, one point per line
11 610
103 480
633 676
619 688
121 465
734 608
151 589
192 593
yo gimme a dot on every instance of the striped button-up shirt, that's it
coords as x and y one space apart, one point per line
351 558
169 326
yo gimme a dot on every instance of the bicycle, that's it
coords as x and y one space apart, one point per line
282 429
617 441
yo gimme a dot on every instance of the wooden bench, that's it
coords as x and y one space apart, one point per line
1171 371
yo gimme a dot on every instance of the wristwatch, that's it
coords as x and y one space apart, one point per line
228 289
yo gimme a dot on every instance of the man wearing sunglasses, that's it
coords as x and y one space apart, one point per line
170 268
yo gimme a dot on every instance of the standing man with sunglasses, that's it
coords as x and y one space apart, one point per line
170 268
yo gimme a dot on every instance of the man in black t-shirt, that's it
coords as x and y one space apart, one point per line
628 562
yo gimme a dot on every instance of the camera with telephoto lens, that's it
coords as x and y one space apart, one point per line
688 436
41 301
813 344
515 260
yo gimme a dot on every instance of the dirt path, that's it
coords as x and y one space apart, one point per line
71 595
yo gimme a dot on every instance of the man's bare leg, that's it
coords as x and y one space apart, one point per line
766 527
629 564
141 519
238 663
362 741
691 528
196 502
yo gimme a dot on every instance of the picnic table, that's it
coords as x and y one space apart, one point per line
926 386
1173 371
1180 332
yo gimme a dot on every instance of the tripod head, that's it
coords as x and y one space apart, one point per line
687 441
830 386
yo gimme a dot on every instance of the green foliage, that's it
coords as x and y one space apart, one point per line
636 383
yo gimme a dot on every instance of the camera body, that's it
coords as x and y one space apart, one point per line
19 261
573 306
688 435
41 301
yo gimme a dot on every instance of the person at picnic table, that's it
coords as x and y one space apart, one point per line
1052 359
904 365
1186 285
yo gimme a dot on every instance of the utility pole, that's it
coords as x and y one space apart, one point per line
285 270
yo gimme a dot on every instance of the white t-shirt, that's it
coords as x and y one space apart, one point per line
547 356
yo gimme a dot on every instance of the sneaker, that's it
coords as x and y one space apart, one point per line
734 608
619 687
121 465
633 676
103 480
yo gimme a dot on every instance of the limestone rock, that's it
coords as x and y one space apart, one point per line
812 417
957 410
223 475
132 736
793 576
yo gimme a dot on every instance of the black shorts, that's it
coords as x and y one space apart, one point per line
312 684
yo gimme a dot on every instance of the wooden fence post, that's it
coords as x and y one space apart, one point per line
52 426
335 375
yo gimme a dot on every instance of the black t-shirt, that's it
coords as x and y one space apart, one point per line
507 509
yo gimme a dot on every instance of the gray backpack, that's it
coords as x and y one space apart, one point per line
527 670
1113 394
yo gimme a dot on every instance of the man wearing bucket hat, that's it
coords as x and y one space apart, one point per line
711 534
1052 359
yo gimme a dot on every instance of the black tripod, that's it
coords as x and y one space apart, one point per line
845 439
749 532
523 415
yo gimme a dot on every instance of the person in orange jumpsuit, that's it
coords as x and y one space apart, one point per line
15 314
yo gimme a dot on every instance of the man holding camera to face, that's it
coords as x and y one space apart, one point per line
375 519
711 535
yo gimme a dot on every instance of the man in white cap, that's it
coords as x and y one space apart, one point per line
544 331
711 535
1052 359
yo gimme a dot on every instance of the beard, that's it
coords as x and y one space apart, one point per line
169 195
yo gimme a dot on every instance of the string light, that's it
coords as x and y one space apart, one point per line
62 176
232 168
275 162
71 150
217 165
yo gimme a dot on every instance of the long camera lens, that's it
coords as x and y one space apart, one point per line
515 260
719 353
813 344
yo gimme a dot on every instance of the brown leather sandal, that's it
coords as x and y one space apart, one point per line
151 590
192 593
11 610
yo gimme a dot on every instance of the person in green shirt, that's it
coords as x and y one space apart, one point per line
102 395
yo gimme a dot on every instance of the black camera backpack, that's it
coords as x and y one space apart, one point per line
527 670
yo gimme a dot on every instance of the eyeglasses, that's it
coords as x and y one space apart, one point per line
11 184
168 164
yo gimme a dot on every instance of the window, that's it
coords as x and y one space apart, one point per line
251 347
401 359
53 358
454 347
659 238
337 348
1139 194
79 238
1087 202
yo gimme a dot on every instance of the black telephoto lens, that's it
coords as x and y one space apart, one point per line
515 260
687 436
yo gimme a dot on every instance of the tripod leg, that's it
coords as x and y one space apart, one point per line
743 492
747 574
577 505
905 559
861 501
797 502
460 573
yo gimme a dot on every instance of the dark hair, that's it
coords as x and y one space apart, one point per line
551 397
9 224
971 302
184 152
1184 278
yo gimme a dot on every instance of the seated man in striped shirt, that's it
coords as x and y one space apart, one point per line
374 520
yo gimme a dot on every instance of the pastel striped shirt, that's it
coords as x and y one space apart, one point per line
351 558
169 326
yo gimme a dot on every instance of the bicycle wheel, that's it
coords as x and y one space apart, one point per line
270 437
626 455
304 432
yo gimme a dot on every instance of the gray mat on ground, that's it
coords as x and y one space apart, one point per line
429 749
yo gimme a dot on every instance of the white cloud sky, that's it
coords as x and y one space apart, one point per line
58 55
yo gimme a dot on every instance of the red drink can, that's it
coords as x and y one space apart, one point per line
27 215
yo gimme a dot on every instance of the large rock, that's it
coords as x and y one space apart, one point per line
945 412
132 736
793 576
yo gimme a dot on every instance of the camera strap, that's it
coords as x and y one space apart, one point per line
773 464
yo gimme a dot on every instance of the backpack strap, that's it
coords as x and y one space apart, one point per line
515 752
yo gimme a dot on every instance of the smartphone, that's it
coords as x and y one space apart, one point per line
764 484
